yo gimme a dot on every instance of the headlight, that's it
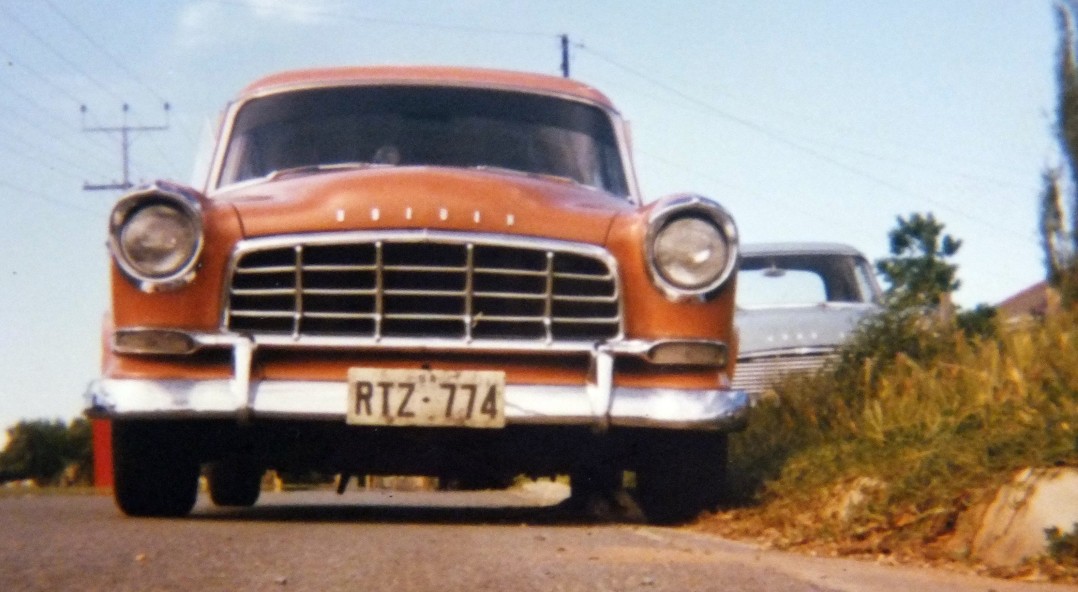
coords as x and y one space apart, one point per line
158 240
690 253
692 246
155 237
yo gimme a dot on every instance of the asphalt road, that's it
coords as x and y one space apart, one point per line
407 541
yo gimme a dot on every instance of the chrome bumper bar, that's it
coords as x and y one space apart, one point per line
599 404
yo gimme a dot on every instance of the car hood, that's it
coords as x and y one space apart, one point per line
773 330
427 198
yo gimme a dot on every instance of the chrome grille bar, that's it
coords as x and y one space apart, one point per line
755 375
436 285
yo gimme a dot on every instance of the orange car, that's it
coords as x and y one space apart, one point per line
435 271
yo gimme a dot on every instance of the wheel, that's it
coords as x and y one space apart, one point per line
593 489
586 482
235 482
154 471
681 475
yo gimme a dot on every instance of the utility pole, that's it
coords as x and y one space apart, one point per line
125 146
565 56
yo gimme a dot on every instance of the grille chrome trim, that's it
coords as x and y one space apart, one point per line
756 373
474 289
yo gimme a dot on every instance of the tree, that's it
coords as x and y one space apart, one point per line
917 270
1053 234
1060 243
42 450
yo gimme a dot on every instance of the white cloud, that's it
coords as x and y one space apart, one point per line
211 22
293 11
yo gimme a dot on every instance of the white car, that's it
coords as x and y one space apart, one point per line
796 305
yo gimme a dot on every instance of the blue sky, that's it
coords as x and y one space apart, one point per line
809 120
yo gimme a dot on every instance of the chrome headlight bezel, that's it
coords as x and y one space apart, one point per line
184 210
696 208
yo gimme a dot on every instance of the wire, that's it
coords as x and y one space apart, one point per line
59 55
106 52
119 64
52 155
780 138
49 199
12 60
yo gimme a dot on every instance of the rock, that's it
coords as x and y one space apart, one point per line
1013 526
850 497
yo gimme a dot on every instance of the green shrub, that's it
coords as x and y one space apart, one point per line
934 415
48 452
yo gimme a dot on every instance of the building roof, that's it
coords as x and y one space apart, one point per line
1032 301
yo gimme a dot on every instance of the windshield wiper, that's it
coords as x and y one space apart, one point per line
319 168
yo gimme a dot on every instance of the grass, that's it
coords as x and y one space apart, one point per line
917 421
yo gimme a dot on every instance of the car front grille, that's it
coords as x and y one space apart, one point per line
424 286
755 375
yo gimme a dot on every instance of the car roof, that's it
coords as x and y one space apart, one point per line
798 248
422 75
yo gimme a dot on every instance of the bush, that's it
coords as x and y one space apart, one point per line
932 414
48 452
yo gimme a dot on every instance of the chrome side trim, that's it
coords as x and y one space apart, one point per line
202 341
786 352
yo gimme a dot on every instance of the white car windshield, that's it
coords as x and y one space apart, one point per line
804 279
426 126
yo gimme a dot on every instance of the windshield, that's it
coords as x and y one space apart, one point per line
410 125
804 279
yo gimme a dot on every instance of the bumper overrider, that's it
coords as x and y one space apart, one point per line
599 403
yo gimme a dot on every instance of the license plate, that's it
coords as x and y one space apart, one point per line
432 398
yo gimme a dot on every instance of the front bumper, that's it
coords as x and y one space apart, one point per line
600 403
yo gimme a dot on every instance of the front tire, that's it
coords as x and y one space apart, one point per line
154 471
681 475
235 482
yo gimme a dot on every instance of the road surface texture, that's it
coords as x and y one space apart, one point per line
408 541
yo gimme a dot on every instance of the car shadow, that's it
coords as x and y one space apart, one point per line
424 508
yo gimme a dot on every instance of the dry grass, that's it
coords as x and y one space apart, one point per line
883 452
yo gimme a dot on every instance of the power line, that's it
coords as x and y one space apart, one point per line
107 53
118 62
15 61
55 157
781 139
48 198
29 31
